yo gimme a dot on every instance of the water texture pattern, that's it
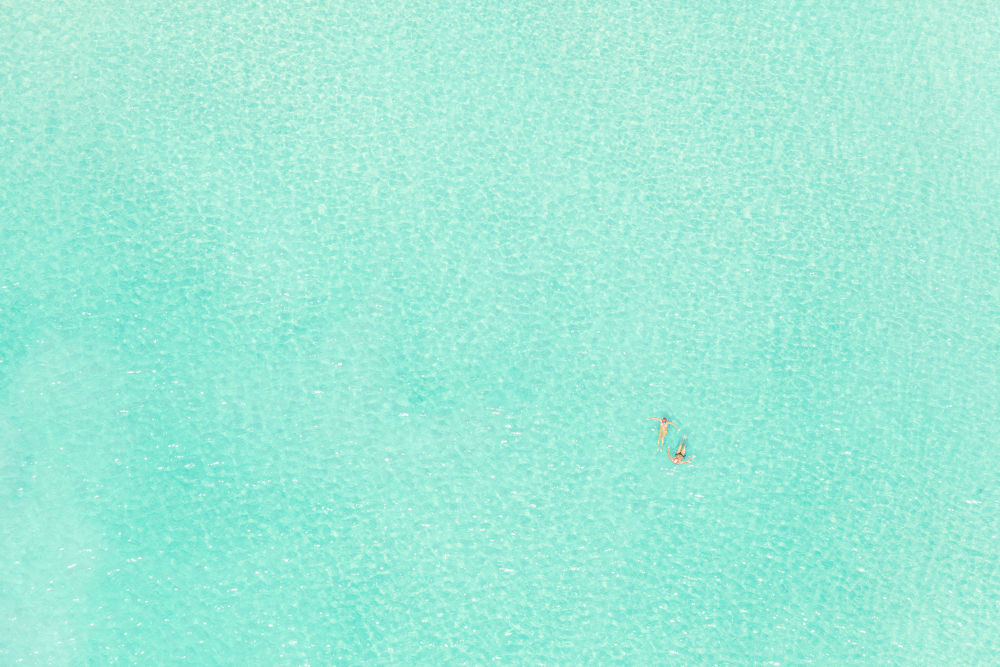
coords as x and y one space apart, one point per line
329 331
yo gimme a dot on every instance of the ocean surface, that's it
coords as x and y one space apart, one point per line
330 331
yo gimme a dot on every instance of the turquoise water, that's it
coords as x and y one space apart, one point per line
329 333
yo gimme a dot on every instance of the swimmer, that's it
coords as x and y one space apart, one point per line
664 427
678 457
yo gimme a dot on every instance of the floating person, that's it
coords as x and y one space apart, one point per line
678 457
664 427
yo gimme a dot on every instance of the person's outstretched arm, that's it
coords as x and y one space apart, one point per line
688 460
